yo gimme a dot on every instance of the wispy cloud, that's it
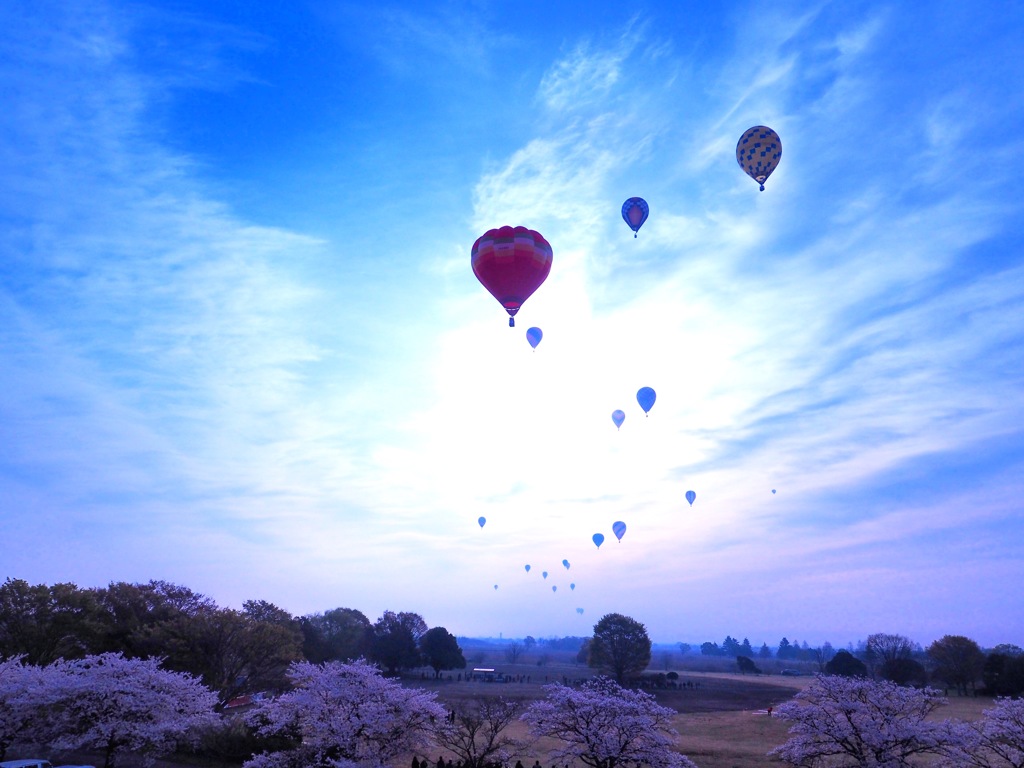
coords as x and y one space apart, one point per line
260 399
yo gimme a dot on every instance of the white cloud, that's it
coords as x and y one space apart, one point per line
262 409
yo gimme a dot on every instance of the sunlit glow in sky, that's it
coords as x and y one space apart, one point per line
242 349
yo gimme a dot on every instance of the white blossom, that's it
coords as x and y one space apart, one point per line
120 707
343 715
604 725
994 741
844 722
25 697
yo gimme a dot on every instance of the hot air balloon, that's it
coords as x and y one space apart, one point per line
619 529
566 564
511 263
534 335
527 567
495 586
758 152
554 588
482 521
572 586
690 497
646 397
773 490
634 213
544 574
618 417
598 539
579 611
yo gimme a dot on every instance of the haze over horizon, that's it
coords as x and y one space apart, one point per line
242 348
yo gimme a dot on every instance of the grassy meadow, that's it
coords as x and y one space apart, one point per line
722 720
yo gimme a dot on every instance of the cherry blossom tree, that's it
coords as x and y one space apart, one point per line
121 707
1003 727
604 725
843 722
474 731
25 697
344 715
994 741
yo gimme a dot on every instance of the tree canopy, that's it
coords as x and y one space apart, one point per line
853 721
620 647
441 650
27 692
394 641
344 714
340 634
603 725
959 662
120 706
746 664
845 664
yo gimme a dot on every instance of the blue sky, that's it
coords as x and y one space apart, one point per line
242 349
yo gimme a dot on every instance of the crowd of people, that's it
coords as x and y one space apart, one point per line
442 763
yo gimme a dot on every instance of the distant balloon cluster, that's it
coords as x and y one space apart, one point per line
513 262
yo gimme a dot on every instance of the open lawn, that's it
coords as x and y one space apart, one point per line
722 723
722 720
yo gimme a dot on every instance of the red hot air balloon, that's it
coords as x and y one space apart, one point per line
511 263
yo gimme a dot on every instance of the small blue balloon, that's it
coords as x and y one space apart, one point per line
646 397
566 564
618 417
691 497
527 567
773 490
572 586
598 539
634 213
544 574
554 588
534 335
482 520
579 611
495 586
619 529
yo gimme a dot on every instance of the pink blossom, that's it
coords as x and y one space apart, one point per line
345 715
25 697
122 706
845 721
604 725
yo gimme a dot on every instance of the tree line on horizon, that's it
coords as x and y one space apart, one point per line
244 651
953 661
